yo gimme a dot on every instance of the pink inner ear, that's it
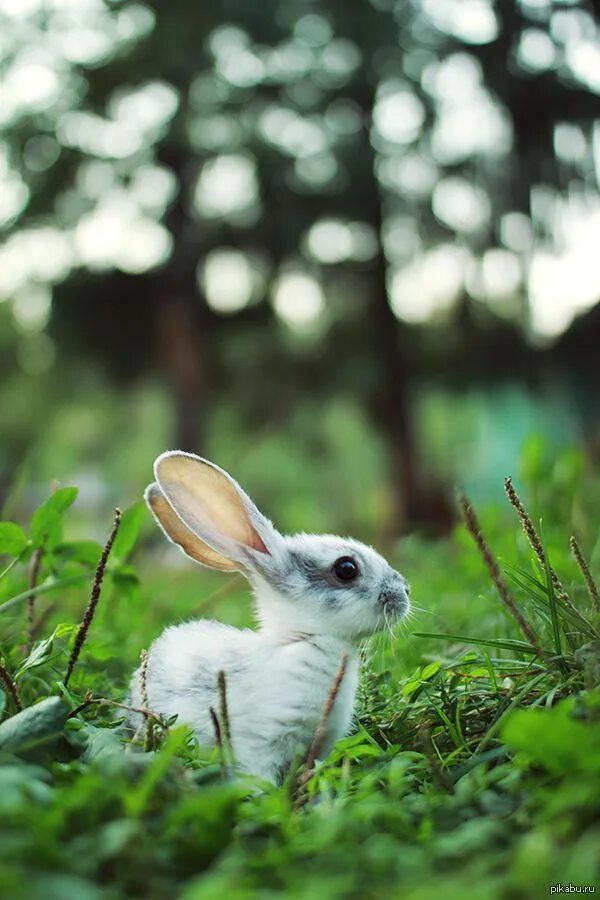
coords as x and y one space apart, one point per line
211 504
257 543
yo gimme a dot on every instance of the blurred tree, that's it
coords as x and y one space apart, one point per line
281 201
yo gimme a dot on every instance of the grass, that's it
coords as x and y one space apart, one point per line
474 768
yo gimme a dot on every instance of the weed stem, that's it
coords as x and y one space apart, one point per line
318 741
218 740
34 571
11 687
535 540
149 742
223 708
474 529
94 597
585 571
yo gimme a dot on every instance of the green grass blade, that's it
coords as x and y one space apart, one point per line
500 643
48 587
554 615
538 594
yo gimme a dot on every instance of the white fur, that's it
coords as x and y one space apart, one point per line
279 676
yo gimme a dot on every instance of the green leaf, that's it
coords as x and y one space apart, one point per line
554 739
430 670
104 746
124 575
126 580
129 530
47 519
13 539
34 725
137 799
40 653
10 566
42 650
85 552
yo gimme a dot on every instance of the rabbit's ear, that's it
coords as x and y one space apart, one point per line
177 532
215 511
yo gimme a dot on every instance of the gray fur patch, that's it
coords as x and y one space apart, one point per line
306 567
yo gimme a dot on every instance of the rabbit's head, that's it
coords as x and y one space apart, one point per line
304 584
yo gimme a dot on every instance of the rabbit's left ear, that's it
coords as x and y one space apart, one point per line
216 511
179 534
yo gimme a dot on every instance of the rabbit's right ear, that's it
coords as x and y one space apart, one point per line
206 512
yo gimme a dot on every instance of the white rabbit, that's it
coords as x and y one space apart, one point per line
315 595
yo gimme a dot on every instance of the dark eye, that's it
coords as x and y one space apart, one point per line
345 568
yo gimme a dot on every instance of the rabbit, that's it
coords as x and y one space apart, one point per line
315 597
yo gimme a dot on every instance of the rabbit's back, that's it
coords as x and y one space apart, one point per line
183 666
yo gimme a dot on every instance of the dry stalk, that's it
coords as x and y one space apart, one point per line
105 701
474 529
585 571
223 708
88 700
217 727
320 735
94 597
11 687
224 725
218 741
535 540
34 571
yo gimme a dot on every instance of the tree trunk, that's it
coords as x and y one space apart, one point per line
180 346
182 319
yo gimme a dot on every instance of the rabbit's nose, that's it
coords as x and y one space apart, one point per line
394 595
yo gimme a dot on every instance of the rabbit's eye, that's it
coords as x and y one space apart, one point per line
345 568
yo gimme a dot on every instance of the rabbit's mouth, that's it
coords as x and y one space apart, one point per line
394 598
